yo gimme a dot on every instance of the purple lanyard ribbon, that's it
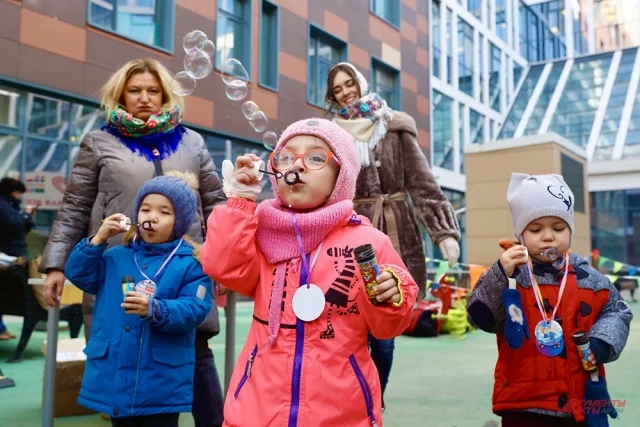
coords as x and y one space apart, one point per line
305 263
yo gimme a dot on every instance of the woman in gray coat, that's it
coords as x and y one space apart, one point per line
143 138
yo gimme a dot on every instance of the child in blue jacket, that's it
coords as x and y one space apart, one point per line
140 356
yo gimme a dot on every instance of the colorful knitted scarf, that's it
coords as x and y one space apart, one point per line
161 131
366 120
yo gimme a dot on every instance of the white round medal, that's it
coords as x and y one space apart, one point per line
308 302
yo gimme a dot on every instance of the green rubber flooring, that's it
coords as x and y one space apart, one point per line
441 382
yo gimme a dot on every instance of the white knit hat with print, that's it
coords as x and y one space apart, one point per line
535 196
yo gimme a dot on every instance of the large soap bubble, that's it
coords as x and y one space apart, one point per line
270 140
232 69
236 90
249 108
198 64
183 84
259 121
194 40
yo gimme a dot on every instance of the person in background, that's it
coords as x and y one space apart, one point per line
15 223
393 174
143 136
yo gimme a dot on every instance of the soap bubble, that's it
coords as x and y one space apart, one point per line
198 64
259 121
249 108
236 90
270 140
232 69
208 47
194 40
183 84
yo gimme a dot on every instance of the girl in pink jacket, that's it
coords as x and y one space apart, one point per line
305 361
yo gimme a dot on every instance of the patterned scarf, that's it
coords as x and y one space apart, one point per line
161 131
366 120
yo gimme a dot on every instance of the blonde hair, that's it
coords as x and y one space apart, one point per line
111 92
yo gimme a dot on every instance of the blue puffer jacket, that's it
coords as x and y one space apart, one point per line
140 366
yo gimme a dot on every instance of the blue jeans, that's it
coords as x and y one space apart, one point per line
382 355
3 328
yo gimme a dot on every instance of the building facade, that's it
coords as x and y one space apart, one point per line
57 56
481 52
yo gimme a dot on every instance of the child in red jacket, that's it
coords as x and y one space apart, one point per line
539 377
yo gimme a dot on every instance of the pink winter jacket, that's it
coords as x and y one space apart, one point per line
317 373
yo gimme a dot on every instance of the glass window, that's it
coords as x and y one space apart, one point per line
146 21
10 151
481 66
435 36
545 97
39 141
611 121
269 45
632 141
517 74
442 131
389 10
465 57
520 104
495 77
501 19
233 29
384 81
9 112
461 135
576 110
615 224
475 7
324 51
449 47
476 127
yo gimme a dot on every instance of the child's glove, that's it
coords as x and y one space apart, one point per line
233 188
598 404
515 324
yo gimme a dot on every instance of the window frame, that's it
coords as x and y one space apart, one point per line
397 84
167 28
276 11
313 31
248 29
395 20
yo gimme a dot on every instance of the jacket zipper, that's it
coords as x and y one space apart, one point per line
247 371
366 391
135 389
297 365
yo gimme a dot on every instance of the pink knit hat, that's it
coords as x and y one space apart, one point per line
343 146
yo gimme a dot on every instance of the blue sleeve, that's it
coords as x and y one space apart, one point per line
85 266
191 307
485 305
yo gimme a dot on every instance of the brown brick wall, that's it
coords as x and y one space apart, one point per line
50 44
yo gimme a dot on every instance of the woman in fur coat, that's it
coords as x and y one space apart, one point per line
395 188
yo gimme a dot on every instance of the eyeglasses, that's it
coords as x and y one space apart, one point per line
314 159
